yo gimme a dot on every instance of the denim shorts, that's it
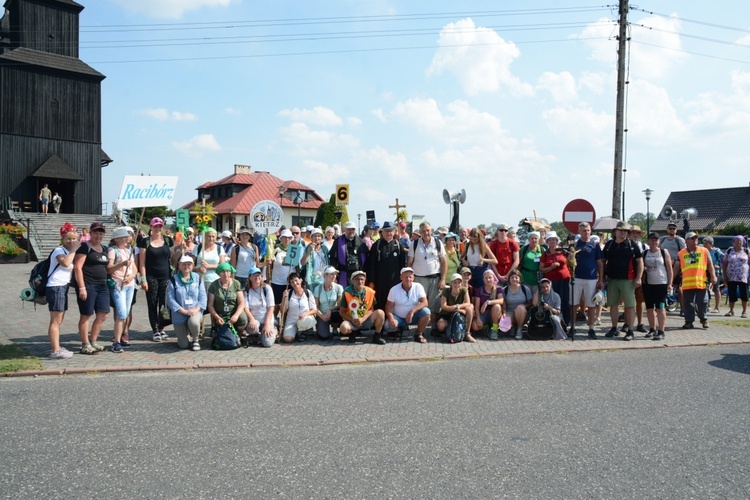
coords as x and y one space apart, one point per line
401 322
121 299
97 300
57 297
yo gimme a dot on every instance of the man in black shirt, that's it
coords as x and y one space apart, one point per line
623 267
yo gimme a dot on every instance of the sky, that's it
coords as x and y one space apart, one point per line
405 99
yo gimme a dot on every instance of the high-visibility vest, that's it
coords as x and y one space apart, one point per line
694 266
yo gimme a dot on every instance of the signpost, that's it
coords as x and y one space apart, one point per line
578 211
342 194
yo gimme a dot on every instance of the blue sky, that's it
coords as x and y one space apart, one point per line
403 99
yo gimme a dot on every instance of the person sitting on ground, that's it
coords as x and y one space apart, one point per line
61 268
554 265
455 299
226 302
259 308
488 305
549 300
407 305
357 309
186 299
327 299
122 271
297 310
518 298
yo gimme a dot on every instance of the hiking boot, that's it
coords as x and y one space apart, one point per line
611 333
61 353
650 333
87 349
629 336
156 337
116 348
592 334
687 326
704 323
196 346
659 335
352 338
378 339
640 328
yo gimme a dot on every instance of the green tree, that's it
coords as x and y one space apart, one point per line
562 232
149 213
737 228
639 219
326 213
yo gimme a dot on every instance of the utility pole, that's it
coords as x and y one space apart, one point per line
620 111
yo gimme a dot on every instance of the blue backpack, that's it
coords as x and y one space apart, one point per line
456 331
226 338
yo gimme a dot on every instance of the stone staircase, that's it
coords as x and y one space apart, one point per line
44 233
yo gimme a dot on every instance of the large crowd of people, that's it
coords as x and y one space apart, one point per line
333 282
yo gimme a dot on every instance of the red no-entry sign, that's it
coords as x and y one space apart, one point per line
578 211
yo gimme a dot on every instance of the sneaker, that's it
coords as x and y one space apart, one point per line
124 343
611 333
494 335
196 346
96 346
116 347
629 336
87 349
592 334
650 333
624 328
519 333
640 328
164 335
659 335
687 326
598 322
156 337
704 323
61 353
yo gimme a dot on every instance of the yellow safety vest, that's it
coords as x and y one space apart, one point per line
694 266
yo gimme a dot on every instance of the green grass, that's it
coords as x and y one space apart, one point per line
740 323
14 357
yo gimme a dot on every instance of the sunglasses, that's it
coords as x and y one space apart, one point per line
502 230
295 232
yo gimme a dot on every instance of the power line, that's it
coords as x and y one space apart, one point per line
691 52
694 21
695 37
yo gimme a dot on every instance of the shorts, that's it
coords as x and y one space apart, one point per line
621 289
585 287
45 202
97 300
486 316
655 296
364 326
57 298
121 301
401 322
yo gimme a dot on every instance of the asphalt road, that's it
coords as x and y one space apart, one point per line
665 423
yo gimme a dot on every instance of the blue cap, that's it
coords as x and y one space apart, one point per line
253 270
376 224
387 225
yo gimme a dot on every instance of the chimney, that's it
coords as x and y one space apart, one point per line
243 169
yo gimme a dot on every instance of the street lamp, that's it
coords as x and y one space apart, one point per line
298 199
648 193
359 217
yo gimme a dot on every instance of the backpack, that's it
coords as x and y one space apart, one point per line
438 245
631 266
680 242
40 275
456 330
226 338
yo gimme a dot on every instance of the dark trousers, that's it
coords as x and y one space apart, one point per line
155 299
562 287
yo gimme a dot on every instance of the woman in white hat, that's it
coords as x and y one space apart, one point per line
244 256
554 265
455 299
259 308
315 259
187 299
327 299
280 271
122 272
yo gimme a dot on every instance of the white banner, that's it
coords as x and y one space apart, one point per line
146 191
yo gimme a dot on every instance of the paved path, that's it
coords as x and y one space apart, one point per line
21 323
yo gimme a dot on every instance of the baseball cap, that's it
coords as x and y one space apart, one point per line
97 226
349 225
330 270
243 230
691 235
406 270
186 258
253 270
357 273
285 234
456 276
653 235
465 270
226 234
156 221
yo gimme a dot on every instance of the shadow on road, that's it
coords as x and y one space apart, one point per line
733 362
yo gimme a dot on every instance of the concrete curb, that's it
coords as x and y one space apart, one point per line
360 361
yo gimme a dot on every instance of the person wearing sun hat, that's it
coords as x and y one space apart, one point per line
122 272
358 312
186 299
61 268
455 299
259 308
345 254
225 301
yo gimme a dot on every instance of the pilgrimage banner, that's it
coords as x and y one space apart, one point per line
147 191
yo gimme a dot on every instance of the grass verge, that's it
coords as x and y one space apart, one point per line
743 323
14 357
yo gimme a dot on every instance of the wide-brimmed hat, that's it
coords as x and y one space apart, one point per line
622 225
120 232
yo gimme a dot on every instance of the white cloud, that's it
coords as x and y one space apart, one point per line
379 114
198 144
478 58
593 82
651 116
233 111
323 173
309 142
162 114
353 121
173 9
745 40
580 125
596 36
562 86
317 116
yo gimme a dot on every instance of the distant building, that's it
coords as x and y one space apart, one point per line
235 195
716 208
50 108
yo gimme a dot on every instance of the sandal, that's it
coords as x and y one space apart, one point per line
730 313
420 338
715 310
743 315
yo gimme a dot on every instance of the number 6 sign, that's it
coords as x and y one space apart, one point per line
342 194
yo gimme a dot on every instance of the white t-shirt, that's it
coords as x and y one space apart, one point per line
245 260
61 275
280 271
427 258
258 301
297 305
403 300
212 258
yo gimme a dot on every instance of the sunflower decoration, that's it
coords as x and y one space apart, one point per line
203 219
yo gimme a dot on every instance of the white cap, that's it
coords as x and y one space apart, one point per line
309 229
330 270
226 234
316 231
186 258
406 270
552 234
285 233
454 277
336 227
120 232
349 225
